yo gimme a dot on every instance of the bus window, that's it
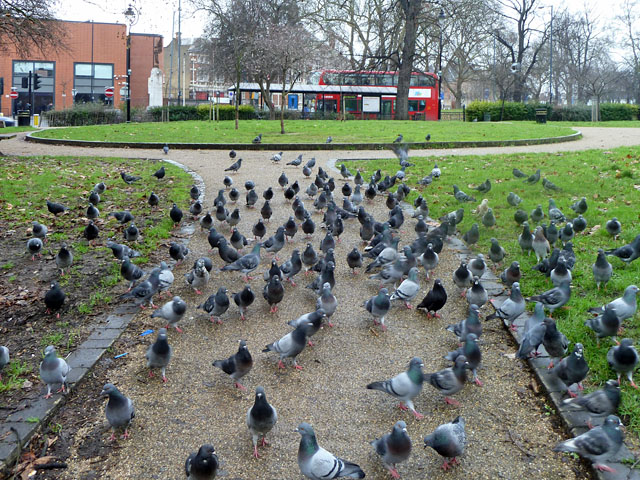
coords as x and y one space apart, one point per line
422 80
413 105
421 105
351 104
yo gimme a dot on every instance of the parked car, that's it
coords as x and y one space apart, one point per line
8 121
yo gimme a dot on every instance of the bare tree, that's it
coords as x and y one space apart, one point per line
600 81
630 21
26 25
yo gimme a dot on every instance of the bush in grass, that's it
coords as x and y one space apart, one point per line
83 114
512 111
618 111
560 113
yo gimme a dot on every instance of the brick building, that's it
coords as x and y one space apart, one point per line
93 57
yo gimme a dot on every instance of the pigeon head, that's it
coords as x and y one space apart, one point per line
177 299
626 343
206 451
472 337
612 384
305 429
243 345
400 425
109 389
260 392
162 334
50 350
578 350
416 362
613 421
461 361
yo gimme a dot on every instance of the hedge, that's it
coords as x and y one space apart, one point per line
527 111
82 114
202 112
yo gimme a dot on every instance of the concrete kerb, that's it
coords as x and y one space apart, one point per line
302 146
28 417
574 422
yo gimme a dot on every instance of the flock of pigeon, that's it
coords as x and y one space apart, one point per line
394 270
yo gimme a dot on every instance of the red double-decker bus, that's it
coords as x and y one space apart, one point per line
423 93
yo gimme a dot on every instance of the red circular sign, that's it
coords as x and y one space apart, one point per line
108 92
13 94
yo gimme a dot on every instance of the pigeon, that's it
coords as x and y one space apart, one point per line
160 173
131 272
195 209
598 445
537 214
549 185
477 266
273 293
172 312
276 242
572 369
261 418
531 339
408 289
54 298
470 324
603 402
398 138
613 227
235 166
34 246
435 171
176 215
283 181
520 216
198 277
378 306
561 273
290 229
496 252
292 267
580 206
153 200
202 465
129 179
461 196
554 341
426 180
513 199
567 233
525 239
554 298
257 139
165 149
56 208
53 370
519 173
450 380
472 236
4 358
625 306
216 305
471 352
92 212
511 308
551 233
448 440
318 464
178 251
579 224
329 139
243 300
159 354
463 278
166 278
246 264
145 290
484 187
435 300
354 260
607 324
623 358
628 253
540 245
533 179
100 188
234 195
121 251
327 302
39 231
122 217
394 447
91 232
276 157
232 154
344 171
511 274
119 410
291 345
311 321
405 386
237 365
555 214
429 259
477 294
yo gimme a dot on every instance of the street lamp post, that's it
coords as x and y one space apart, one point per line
550 53
441 18
131 15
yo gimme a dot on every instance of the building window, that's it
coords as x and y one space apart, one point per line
90 80
43 97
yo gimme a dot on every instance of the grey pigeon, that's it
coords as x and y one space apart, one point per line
237 365
580 206
122 217
579 224
408 289
598 445
276 157
394 447
216 305
600 403
513 199
607 324
449 441
261 418
235 166
461 196
572 369
531 340
511 274
496 252
549 185
471 324
471 352
53 370
131 233
273 293
554 341
311 321
166 278
567 233
554 298
246 264
477 266
540 244
463 278
627 253
198 277
120 251
100 187
202 465
275 243
472 236
159 353
555 214
429 259
405 386
119 410
34 246
613 227
435 171
525 239
4 358
129 179
625 306
534 178
520 216
537 214
172 312
354 259
291 345
489 219
561 273
327 302
519 173
39 231
56 208
178 251
378 306
476 293
64 258
292 267
450 380
318 464
602 269
243 300
511 308
623 358
131 272
54 298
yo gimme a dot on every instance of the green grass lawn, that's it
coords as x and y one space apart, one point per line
15 129
610 180
308 131
612 123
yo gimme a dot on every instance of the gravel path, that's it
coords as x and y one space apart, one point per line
510 433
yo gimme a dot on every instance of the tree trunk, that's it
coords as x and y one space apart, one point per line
282 102
411 9
237 98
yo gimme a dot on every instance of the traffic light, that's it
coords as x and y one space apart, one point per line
1 85
36 81
25 82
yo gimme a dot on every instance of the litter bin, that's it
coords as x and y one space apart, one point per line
24 118
487 117
541 115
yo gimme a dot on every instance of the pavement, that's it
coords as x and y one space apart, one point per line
510 431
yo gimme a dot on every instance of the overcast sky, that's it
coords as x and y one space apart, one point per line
156 16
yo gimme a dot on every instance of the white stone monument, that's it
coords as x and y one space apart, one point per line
155 87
